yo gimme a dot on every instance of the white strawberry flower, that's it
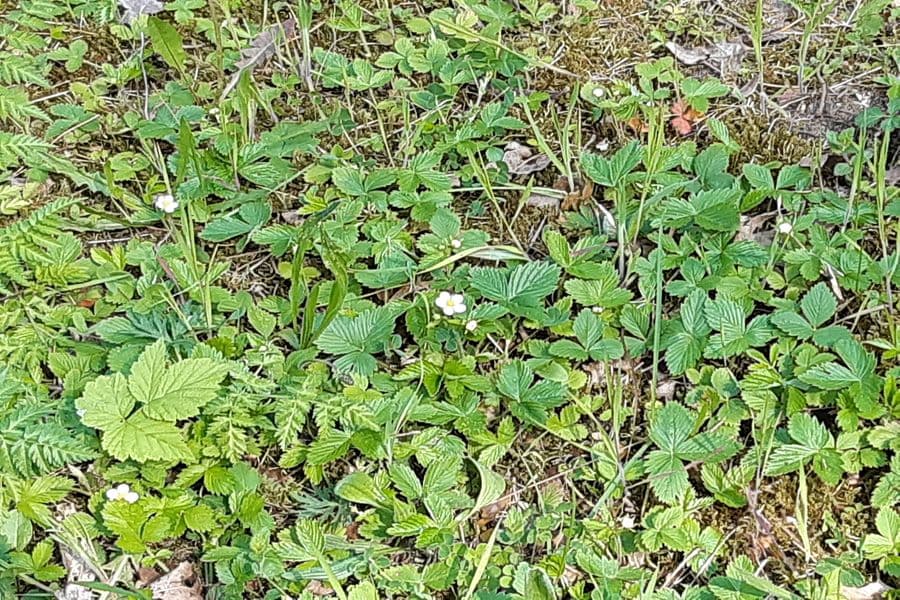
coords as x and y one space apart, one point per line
451 304
597 309
455 244
471 325
122 492
785 228
166 203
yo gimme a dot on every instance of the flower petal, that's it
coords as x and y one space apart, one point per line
458 299
112 494
448 311
459 308
131 497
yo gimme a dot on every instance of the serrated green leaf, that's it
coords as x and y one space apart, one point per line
793 324
359 487
142 439
176 392
106 402
531 402
667 475
818 305
604 291
671 427
829 376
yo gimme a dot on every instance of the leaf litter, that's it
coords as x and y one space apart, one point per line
261 49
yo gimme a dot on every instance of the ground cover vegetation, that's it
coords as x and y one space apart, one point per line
482 299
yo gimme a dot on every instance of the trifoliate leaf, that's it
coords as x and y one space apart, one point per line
588 328
813 443
530 402
733 335
520 290
672 432
687 336
358 338
136 414
176 392
603 291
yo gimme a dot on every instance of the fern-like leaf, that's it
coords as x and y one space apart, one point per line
32 445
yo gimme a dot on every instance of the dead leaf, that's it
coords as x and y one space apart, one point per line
688 56
596 375
543 201
265 44
872 591
637 126
683 118
317 588
77 569
665 390
570 576
261 49
292 217
728 55
892 175
489 514
752 230
522 160
135 8
578 197
181 583
146 576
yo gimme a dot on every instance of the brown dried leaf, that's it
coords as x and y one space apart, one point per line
492 511
521 160
872 591
146 576
688 56
181 583
265 44
261 49
77 569
132 9
684 117
543 201
575 199
665 390
892 176
317 588
292 217
637 125
752 229
728 55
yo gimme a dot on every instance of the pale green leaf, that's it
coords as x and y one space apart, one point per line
106 402
166 42
142 439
